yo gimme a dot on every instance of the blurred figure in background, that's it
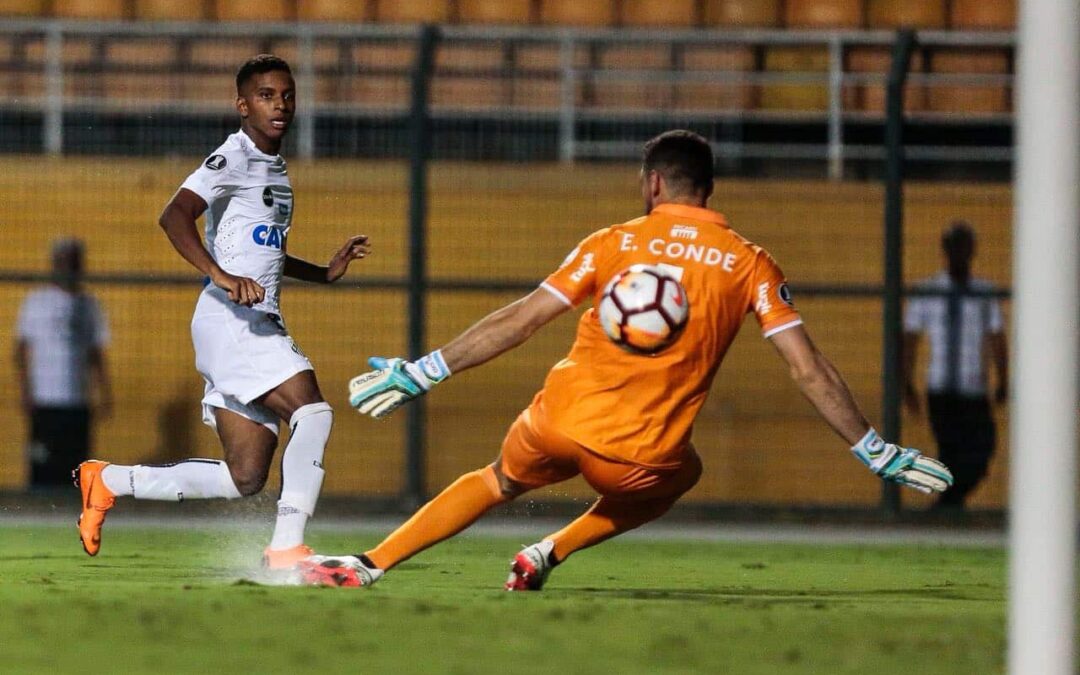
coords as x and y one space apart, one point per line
962 323
60 358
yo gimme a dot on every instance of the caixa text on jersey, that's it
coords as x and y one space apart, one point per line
269 235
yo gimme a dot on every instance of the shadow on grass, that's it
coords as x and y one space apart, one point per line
770 596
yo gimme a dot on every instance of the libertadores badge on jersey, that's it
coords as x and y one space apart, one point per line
216 162
785 295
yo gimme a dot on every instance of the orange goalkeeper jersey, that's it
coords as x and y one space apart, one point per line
641 409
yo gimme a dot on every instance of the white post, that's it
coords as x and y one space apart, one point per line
305 114
836 108
1045 364
53 118
568 98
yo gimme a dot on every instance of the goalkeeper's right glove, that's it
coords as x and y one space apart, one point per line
905 466
395 382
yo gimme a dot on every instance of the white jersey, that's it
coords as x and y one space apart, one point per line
957 336
250 205
61 329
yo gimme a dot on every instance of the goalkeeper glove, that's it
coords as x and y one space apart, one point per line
905 466
395 382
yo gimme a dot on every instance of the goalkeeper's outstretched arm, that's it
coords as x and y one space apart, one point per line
821 383
502 330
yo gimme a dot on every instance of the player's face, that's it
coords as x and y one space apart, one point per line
267 104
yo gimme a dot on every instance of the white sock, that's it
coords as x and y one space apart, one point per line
301 472
189 479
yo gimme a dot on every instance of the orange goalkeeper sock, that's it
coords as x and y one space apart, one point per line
456 507
606 519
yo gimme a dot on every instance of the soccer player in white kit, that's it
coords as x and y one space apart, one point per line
255 375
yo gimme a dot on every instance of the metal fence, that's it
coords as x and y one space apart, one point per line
580 93
472 192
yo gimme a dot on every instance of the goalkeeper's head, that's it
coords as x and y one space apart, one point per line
676 167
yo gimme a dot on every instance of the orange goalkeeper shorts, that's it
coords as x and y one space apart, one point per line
535 454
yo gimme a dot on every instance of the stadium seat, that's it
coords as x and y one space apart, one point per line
495 11
343 11
376 90
89 9
970 99
629 92
412 11
870 97
224 53
907 13
464 93
266 10
698 96
169 10
982 14
650 13
381 74
824 14
742 13
22 7
577 12
796 96
78 51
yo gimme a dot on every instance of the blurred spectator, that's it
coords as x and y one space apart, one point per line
962 321
60 358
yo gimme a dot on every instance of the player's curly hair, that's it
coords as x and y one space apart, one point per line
683 158
256 65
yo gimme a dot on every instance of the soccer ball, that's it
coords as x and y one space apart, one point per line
643 309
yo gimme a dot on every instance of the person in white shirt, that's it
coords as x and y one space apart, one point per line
255 374
61 337
964 325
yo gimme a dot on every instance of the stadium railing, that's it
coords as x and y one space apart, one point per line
768 94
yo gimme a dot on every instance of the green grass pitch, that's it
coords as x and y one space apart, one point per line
176 600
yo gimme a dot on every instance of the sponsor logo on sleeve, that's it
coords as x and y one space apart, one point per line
215 162
584 269
763 304
784 293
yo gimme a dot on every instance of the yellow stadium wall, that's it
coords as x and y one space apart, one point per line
761 442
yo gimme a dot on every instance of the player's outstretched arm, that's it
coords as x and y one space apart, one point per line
355 248
395 382
178 221
822 384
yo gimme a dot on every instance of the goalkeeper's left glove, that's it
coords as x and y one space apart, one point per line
905 466
395 382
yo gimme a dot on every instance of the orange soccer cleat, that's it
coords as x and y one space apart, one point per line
285 558
97 499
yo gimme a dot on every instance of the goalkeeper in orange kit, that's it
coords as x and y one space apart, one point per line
623 421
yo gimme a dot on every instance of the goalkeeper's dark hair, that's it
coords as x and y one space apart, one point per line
683 158
257 65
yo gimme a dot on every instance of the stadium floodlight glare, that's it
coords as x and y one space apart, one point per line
1043 438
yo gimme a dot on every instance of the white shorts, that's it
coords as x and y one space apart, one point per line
242 353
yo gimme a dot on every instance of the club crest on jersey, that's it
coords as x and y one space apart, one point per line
268 196
268 235
215 162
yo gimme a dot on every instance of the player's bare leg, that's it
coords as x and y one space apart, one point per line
299 402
